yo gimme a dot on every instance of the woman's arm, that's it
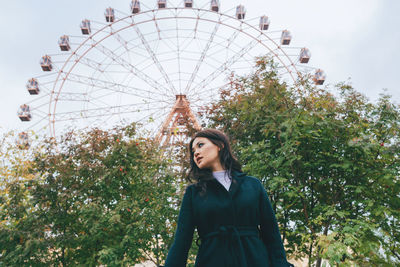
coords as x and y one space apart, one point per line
178 253
270 231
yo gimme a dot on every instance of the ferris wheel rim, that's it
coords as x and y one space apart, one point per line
147 21
287 66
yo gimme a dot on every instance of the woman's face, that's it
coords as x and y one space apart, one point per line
206 154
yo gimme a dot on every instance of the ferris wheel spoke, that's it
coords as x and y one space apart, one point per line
201 59
208 93
178 56
161 36
43 118
38 98
104 121
46 75
156 114
97 103
100 112
220 62
245 25
131 68
44 85
122 12
308 67
216 44
272 52
98 98
87 62
112 86
285 70
120 39
100 23
37 108
189 39
148 61
219 70
128 51
297 60
158 29
195 27
230 41
68 96
153 56
152 115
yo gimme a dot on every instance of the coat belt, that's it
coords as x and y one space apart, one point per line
230 235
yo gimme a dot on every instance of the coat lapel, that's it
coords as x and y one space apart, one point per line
237 176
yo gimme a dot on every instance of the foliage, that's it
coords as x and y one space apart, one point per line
98 198
330 164
15 207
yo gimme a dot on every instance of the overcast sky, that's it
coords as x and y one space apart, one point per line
357 40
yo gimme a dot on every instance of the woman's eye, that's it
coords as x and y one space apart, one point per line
198 145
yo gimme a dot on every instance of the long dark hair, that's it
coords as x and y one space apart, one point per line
226 157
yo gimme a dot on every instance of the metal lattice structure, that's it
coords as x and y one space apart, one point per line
157 66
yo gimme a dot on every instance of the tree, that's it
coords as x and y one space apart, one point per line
98 197
15 206
330 164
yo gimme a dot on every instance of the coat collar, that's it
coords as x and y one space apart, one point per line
238 177
238 174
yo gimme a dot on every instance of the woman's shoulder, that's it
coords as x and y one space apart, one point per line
190 186
249 179
193 188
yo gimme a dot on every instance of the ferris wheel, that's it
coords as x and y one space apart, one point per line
156 63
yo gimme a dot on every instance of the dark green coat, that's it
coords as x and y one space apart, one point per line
237 228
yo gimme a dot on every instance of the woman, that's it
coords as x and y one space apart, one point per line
231 211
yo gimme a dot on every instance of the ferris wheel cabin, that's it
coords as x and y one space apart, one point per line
162 3
135 6
45 63
286 37
64 43
85 27
264 23
240 12
189 3
24 113
109 14
215 5
319 77
23 140
305 55
33 86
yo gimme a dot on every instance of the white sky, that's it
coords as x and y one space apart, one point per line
356 39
